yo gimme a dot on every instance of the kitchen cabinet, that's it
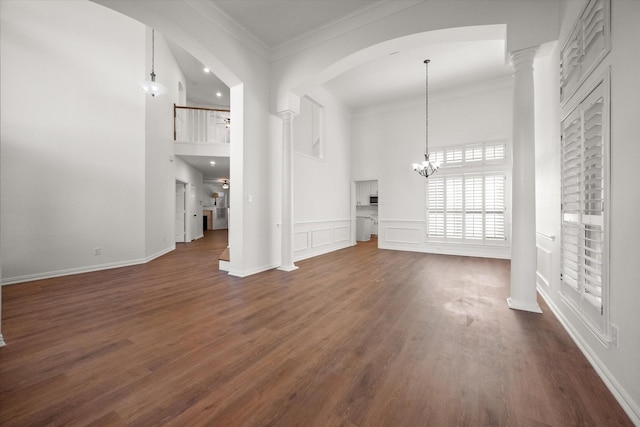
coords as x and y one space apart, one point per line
363 190
373 188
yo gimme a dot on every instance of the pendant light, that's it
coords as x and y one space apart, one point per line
152 87
426 168
225 184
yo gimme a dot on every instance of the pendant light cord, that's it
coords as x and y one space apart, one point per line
426 97
153 50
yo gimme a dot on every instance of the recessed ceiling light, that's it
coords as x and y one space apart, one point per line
212 163
206 70
218 94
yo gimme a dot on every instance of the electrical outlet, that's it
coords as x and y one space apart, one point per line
614 335
97 251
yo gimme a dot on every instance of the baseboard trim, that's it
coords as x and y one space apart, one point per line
246 273
80 270
160 253
325 250
619 393
523 306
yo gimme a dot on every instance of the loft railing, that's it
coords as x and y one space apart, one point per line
197 124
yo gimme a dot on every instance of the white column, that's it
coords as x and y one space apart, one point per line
523 230
286 262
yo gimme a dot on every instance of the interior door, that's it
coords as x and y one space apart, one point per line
180 220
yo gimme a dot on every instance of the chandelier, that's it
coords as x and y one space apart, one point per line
426 168
152 87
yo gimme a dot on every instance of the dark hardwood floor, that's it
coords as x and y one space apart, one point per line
358 337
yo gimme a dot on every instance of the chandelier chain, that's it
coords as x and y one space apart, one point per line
153 50
426 97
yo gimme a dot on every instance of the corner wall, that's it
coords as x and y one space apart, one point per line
159 170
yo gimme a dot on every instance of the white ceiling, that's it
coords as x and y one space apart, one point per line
218 172
201 87
384 79
275 22
402 75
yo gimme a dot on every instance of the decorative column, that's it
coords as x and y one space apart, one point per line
286 262
523 230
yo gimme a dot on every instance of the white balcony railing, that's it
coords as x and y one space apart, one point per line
201 125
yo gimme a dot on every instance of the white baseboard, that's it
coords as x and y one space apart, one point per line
224 265
80 270
246 273
160 253
631 408
322 251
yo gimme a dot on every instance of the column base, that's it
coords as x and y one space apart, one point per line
523 306
287 267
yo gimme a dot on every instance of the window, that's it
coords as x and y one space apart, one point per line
467 208
588 43
584 224
479 154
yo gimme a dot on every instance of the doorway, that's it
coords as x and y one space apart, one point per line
181 213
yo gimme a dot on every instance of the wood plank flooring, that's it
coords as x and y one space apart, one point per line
358 337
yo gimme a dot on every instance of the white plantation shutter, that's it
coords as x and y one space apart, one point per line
583 207
473 207
435 211
466 208
473 153
453 156
494 152
454 201
585 47
494 206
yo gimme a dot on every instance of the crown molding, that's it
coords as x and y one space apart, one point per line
329 31
213 13
337 28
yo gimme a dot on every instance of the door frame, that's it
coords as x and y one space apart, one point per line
185 234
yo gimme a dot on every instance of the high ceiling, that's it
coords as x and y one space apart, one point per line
275 22
395 75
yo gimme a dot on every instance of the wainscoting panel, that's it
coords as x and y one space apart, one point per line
313 238
545 245
321 237
544 269
405 235
300 240
341 234
409 235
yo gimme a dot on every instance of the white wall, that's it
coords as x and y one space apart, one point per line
159 173
387 140
617 365
321 187
72 138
